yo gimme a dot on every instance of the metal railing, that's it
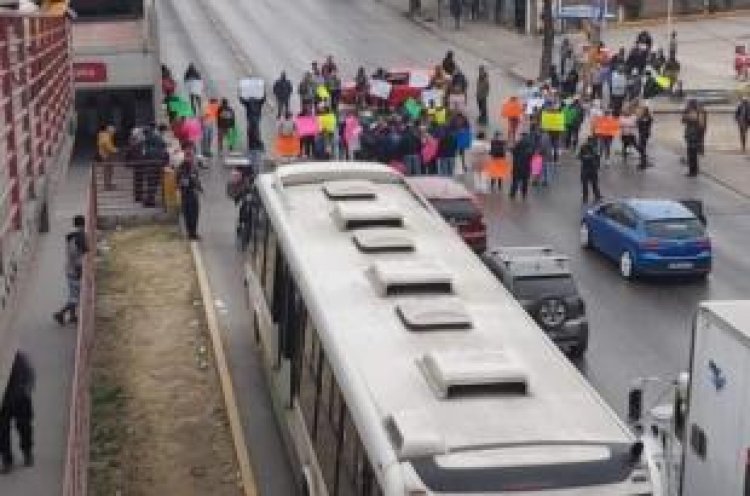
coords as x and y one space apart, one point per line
129 186
75 478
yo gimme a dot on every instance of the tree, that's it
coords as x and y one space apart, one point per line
548 40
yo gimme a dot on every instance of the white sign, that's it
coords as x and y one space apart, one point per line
419 79
252 88
435 96
534 104
380 89
194 86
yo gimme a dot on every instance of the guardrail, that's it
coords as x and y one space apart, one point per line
75 478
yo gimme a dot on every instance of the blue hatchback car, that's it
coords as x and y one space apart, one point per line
648 237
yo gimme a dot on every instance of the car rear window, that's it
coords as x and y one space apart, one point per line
674 228
458 208
531 288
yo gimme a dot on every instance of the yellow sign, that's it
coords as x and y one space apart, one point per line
663 82
553 121
322 92
327 122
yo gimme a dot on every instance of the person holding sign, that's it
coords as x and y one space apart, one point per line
194 86
606 128
512 110
497 167
553 123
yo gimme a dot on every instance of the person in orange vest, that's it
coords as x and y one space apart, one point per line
606 128
512 110
210 116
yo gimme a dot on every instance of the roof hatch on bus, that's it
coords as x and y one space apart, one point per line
456 374
383 240
355 215
414 434
399 277
433 314
349 190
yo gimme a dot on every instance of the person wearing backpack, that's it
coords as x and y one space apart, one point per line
76 247
224 123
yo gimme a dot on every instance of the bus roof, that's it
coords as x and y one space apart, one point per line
461 384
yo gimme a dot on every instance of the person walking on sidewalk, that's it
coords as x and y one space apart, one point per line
194 86
483 93
17 407
282 90
742 116
692 121
190 187
644 122
456 8
105 150
590 164
522 153
76 247
225 123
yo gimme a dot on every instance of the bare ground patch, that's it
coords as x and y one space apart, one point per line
158 425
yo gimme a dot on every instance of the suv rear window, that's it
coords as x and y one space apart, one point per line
456 208
532 288
675 228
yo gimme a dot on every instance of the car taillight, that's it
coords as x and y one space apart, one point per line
650 244
703 243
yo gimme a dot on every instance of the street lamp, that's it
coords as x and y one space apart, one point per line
669 18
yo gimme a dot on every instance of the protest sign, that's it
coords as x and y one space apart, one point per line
553 121
380 89
419 79
252 88
307 125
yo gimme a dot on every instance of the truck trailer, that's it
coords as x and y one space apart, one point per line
716 448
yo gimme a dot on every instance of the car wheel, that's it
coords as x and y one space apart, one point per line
585 235
552 313
627 268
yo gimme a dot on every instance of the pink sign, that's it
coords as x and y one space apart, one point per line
307 125
536 165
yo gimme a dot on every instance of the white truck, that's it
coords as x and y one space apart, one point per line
716 449
701 438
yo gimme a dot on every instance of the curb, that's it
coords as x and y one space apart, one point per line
247 476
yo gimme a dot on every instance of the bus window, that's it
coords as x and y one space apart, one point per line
107 9
309 381
349 470
260 248
325 441
269 265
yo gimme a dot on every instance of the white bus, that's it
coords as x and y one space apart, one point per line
400 366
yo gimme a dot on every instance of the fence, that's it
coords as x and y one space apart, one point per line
75 478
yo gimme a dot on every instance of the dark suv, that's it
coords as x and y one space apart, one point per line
540 279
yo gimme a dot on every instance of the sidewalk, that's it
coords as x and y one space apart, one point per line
50 348
705 46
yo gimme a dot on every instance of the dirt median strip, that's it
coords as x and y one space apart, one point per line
159 420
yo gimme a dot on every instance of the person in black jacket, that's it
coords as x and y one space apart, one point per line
590 162
644 123
742 116
225 122
190 188
522 153
17 407
282 90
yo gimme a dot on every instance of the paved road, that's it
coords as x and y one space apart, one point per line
639 328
